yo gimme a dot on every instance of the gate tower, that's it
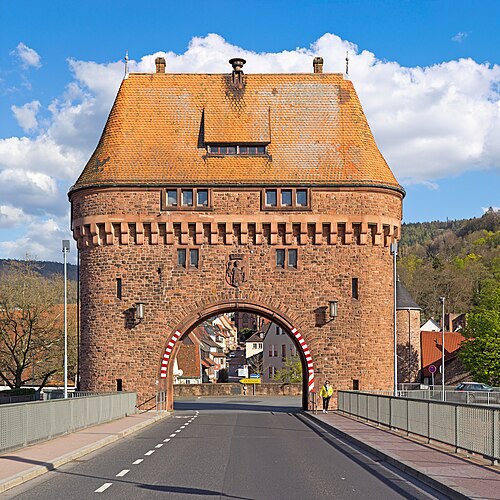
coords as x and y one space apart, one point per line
210 193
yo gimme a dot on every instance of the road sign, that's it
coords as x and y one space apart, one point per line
254 375
250 381
432 369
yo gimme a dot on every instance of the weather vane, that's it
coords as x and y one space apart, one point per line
126 64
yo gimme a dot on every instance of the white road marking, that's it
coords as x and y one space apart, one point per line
183 426
102 488
166 440
150 452
123 473
173 435
159 445
138 461
177 431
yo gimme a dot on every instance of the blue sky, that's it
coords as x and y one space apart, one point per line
426 71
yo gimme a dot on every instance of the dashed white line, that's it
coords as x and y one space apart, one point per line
173 435
123 473
150 452
102 488
138 461
166 440
159 445
183 426
177 431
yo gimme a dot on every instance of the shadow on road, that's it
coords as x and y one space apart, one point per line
236 405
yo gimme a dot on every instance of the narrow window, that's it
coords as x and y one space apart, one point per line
286 198
283 350
181 257
292 258
118 288
355 385
301 198
255 346
278 330
271 371
355 294
280 258
187 197
271 198
119 385
202 198
172 197
193 257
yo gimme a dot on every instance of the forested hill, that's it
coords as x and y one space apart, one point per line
456 259
46 269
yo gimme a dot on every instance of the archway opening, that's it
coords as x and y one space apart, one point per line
237 348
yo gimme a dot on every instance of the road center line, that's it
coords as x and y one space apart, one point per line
173 435
177 431
159 445
183 426
138 461
123 473
150 452
102 488
166 440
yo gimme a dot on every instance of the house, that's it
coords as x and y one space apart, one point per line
432 356
187 366
430 326
254 344
278 347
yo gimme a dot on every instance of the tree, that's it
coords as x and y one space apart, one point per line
291 372
480 352
31 325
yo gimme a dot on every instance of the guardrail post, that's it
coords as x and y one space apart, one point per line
428 421
456 428
494 437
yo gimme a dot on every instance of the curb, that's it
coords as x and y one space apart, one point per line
23 477
453 492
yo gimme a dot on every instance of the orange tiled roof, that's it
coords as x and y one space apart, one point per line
431 347
160 123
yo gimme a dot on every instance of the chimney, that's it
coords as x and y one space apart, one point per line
160 64
237 75
318 65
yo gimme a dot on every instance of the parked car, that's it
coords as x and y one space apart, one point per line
479 393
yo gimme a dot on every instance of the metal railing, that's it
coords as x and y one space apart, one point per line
22 424
471 428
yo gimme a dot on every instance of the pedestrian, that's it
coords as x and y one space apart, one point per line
326 393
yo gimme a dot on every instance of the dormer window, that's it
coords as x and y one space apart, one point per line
241 150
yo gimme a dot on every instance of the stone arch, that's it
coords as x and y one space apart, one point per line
199 315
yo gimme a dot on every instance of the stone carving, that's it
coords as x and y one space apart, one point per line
236 270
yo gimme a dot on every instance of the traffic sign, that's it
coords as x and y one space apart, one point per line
254 375
250 381
432 369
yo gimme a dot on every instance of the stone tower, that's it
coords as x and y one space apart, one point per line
210 193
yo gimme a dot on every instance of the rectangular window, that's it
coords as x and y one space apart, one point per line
278 331
301 198
119 385
223 150
273 351
252 150
283 350
172 197
355 292
271 371
286 198
280 258
255 346
271 198
193 257
292 258
202 198
181 257
355 385
118 288
293 351
187 197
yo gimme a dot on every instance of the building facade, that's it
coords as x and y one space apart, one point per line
216 193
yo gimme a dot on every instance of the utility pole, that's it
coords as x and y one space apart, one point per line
442 299
65 250
394 252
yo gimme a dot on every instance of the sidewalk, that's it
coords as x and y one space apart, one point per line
451 474
19 466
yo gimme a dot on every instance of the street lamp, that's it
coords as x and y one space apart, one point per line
65 250
333 307
394 253
442 299
139 311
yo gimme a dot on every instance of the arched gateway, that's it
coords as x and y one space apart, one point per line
210 193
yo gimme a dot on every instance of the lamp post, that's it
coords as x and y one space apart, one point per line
394 253
65 250
442 299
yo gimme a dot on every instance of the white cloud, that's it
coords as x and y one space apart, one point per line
460 36
12 216
28 56
26 115
429 122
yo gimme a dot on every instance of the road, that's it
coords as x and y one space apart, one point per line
239 448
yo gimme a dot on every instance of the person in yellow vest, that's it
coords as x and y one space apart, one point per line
326 393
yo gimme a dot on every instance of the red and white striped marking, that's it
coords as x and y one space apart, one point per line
297 335
307 355
168 352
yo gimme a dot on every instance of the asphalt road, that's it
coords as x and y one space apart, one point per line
240 448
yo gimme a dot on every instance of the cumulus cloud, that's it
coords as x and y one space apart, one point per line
29 57
26 115
429 122
12 216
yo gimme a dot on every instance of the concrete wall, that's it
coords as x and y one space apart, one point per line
237 390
